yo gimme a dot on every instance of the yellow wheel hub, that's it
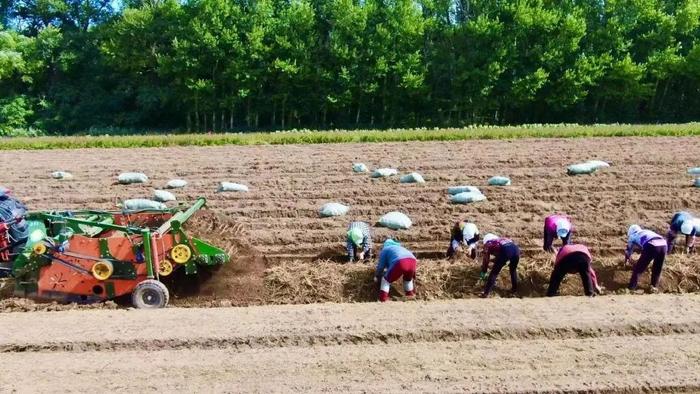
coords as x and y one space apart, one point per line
181 253
165 268
39 248
102 270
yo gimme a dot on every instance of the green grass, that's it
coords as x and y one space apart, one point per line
327 137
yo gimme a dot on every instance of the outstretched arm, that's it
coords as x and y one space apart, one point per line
548 240
485 260
689 243
629 250
351 250
671 239
381 265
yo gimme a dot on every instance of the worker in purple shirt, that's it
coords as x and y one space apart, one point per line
557 226
683 223
395 262
505 251
653 247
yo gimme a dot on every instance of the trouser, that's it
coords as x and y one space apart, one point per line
405 268
573 263
549 239
509 254
655 251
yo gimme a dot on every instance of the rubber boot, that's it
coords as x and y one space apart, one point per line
383 296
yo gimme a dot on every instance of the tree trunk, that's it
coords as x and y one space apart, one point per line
274 113
222 126
284 108
247 113
189 121
205 122
230 119
358 113
196 114
663 95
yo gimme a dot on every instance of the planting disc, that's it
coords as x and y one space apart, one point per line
181 253
165 268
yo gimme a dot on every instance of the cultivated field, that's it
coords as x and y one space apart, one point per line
285 253
617 344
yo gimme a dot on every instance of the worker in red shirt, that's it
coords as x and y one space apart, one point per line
571 259
505 251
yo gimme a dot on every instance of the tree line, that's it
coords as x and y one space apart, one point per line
68 66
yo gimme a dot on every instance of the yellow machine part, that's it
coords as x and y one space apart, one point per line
102 270
39 249
165 268
181 253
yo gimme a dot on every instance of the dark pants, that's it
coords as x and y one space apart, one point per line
573 263
549 240
509 254
650 252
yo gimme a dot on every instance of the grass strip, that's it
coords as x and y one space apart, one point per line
351 136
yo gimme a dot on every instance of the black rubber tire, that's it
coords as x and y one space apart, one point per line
150 294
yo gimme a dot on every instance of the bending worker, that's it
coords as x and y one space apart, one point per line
686 224
653 247
13 236
505 252
573 259
395 262
557 226
359 241
463 234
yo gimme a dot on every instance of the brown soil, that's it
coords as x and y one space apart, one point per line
284 253
617 344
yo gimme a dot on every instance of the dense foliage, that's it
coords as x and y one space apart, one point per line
75 65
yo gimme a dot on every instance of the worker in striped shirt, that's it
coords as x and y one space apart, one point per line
359 241
653 247
505 251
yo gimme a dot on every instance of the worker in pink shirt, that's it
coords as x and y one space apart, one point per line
557 226
571 259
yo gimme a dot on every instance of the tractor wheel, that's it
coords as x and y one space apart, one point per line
150 294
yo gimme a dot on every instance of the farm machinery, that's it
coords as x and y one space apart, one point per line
89 256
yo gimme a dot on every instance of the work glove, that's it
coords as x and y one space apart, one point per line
376 279
482 276
361 256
